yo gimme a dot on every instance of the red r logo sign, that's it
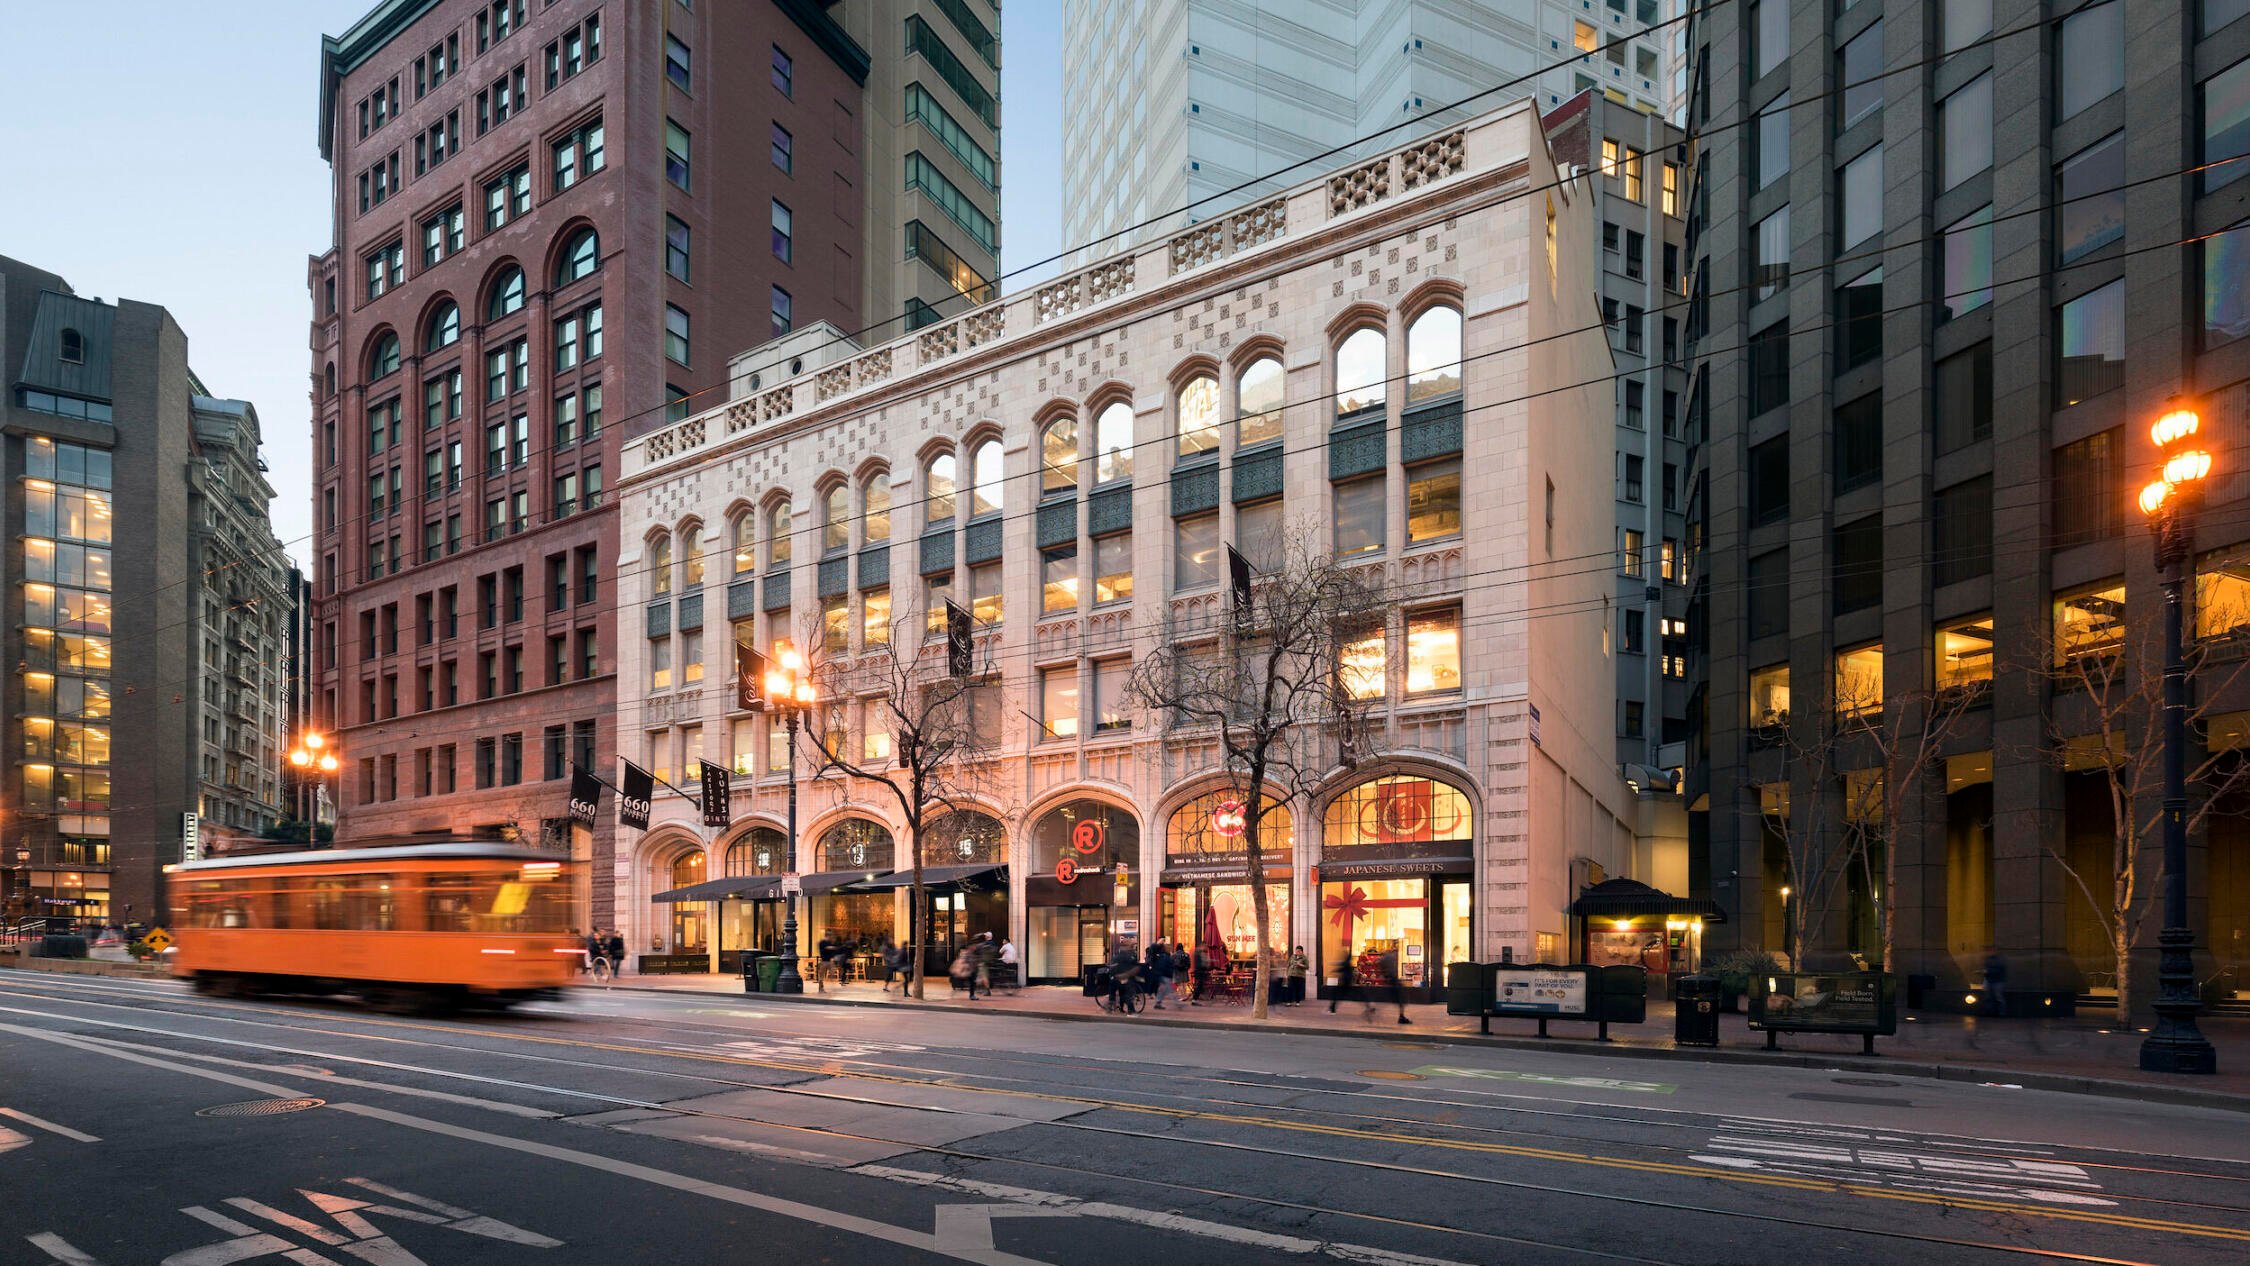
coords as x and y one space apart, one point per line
1086 837
1066 870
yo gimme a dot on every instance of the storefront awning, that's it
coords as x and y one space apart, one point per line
830 880
1630 898
740 887
935 876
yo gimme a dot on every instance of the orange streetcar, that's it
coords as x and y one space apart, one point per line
404 926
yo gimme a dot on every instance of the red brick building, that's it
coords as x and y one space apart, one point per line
551 217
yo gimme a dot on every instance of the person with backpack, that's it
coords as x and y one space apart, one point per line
1159 973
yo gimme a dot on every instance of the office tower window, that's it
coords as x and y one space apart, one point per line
1965 266
1861 66
1961 404
1058 579
1859 320
1964 652
2089 487
1195 552
1769 481
1965 132
1359 513
676 64
1856 565
1772 267
781 308
1769 35
1433 651
1860 189
1433 501
2224 100
784 73
2226 287
1768 598
675 334
2090 198
1632 553
1859 442
2090 338
1963 22
1769 368
783 228
1113 568
1961 531
784 148
675 154
676 247
1361 371
2090 58
2089 622
1770 141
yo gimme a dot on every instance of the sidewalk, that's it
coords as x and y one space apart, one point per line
2083 1055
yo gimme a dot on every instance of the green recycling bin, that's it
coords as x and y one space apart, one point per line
769 973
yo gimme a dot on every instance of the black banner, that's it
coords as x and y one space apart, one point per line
718 795
957 628
634 799
1238 574
749 679
585 796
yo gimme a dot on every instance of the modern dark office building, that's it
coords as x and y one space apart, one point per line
1949 261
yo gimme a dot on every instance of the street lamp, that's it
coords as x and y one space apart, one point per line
311 753
1788 943
2169 503
790 692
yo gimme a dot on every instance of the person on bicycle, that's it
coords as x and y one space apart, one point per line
1124 974
614 947
589 950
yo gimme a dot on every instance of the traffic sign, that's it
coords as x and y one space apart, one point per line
158 939
792 883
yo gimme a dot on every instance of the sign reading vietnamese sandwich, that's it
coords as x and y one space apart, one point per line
1208 837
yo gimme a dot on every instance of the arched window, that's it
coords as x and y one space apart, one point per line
691 554
385 359
876 524
855 844
764 851
964 837
1199 416
1209 829
742 529
582 254
777 535
1257 403
1398 809
939 487
73 347
1095 836
1113 443
660 565
445 327
986 489
507 294
332 378
1359 371
836 520
1433 354
1058 452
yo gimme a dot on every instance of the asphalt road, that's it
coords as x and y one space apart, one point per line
141 1124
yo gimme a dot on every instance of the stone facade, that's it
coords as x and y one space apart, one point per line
1516 729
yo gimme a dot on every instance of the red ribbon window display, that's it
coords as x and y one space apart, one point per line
1353 905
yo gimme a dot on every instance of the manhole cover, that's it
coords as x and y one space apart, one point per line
261 1108
1387 1074
1862 1081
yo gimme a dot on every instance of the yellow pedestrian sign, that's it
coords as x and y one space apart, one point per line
158 939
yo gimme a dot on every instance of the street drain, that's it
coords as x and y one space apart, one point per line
1862 1081
1387 1074
261 1108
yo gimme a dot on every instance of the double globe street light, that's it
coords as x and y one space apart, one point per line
311 753
2169 503
790 691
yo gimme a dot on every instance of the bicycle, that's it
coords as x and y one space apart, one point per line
1124 997
603 972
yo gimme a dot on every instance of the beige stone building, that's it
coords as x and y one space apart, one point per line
1384 355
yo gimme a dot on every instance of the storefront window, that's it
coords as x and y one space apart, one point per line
764 851
1372 924
689 922
856 844
1182 920
1078 900
1397 810
1209 830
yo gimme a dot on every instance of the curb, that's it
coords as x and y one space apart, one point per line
2062 1083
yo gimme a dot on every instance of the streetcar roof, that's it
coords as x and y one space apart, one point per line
446 851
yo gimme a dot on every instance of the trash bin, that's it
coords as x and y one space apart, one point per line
1466 988
769 973
1695 1001
61 945
751 959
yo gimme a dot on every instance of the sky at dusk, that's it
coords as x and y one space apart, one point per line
180 165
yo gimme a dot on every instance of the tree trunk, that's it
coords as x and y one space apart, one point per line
917 914
2122 944
1253 818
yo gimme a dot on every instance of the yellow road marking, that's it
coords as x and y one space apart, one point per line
1512 1150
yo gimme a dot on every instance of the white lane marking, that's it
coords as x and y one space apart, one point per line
969 1226
1056 1202
61 1251
49 1126
495 1105
1865 1158
10 1140
783 1047
831 1218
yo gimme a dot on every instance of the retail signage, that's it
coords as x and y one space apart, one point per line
1855 1002
1386 867
1229 818
1535 725
191 837
749 679
634 801
1066 870
957 630
792 884
585 796
1088 835
1561 992
718 795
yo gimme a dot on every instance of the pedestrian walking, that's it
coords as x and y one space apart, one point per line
1343 979
986 955
964 970
1159 972
1298 966
1199 975
614 946
1996 980
886 959
1398 985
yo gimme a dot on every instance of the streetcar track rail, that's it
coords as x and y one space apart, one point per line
1775 1180
1103 1175
1644 1116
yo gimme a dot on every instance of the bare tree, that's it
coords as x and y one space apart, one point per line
939 728
2106 715
1891 742
1282 683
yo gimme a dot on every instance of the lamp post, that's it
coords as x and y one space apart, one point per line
1788 942
790 692
2169 502
311 753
